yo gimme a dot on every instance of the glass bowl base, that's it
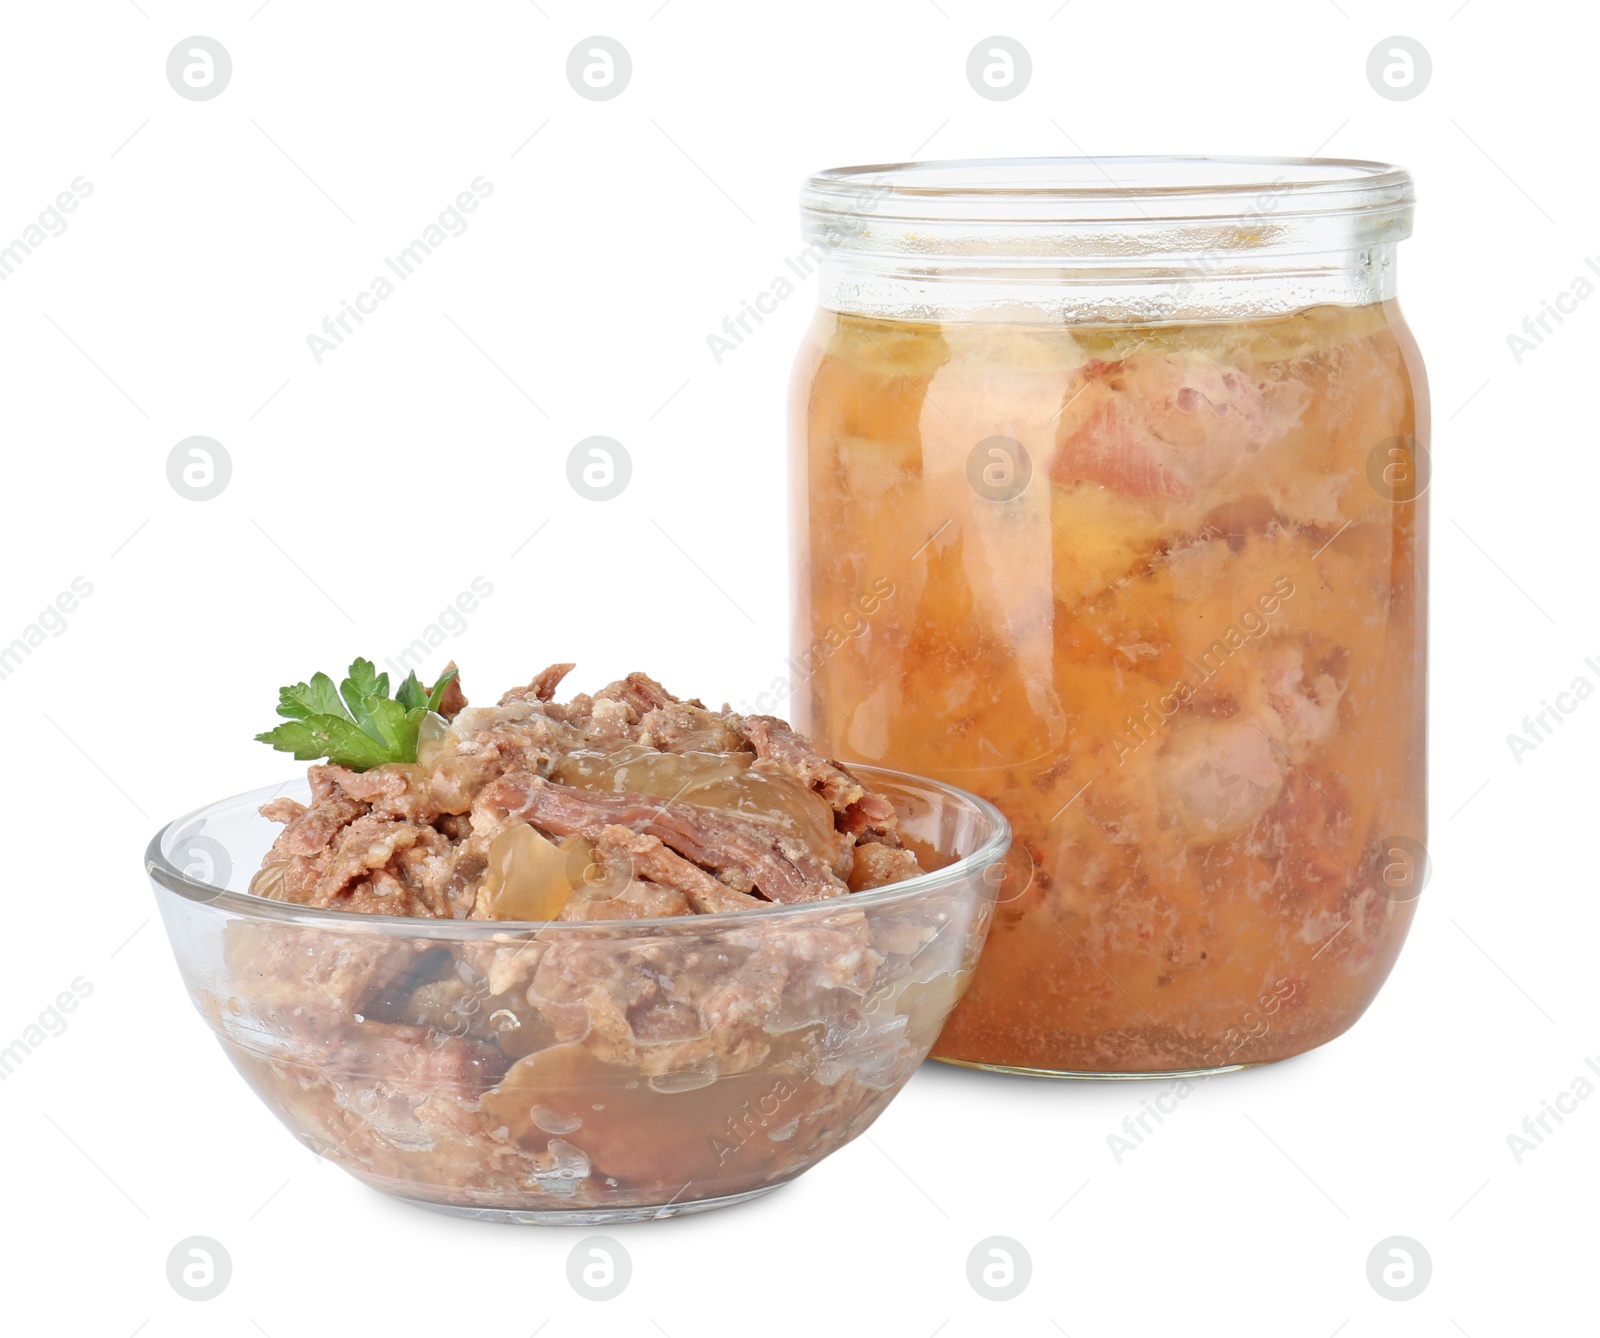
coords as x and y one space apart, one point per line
588 1216
1084 1075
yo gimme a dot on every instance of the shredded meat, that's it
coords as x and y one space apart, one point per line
879 865
544 685
864 814
651 859
419 838
581 1067
453 700
682 727
749 852
283 810
639 691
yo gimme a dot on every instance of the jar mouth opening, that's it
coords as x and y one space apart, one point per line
1134 188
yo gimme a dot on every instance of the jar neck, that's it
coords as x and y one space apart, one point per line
1182 291
1146 240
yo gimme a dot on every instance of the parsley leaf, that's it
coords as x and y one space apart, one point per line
356 725
303 700
410 694
436 693
331 737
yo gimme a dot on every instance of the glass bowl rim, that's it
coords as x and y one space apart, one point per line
165 875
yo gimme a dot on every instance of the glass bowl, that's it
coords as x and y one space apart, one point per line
580 1072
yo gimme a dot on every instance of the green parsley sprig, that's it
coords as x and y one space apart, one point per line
356 725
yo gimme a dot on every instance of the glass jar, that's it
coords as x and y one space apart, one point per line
1108 490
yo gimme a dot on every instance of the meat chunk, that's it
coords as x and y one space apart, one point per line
1301 709
311 829
1220 776
862 813
773 739
757 854
487 742
542 688
692 811
639 691
275 966
373 845
650 859
453 700
283 810
879 865
639 900
1165 425
682 727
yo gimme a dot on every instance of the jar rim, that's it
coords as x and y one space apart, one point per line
1133 188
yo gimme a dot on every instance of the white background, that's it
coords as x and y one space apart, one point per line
369 490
